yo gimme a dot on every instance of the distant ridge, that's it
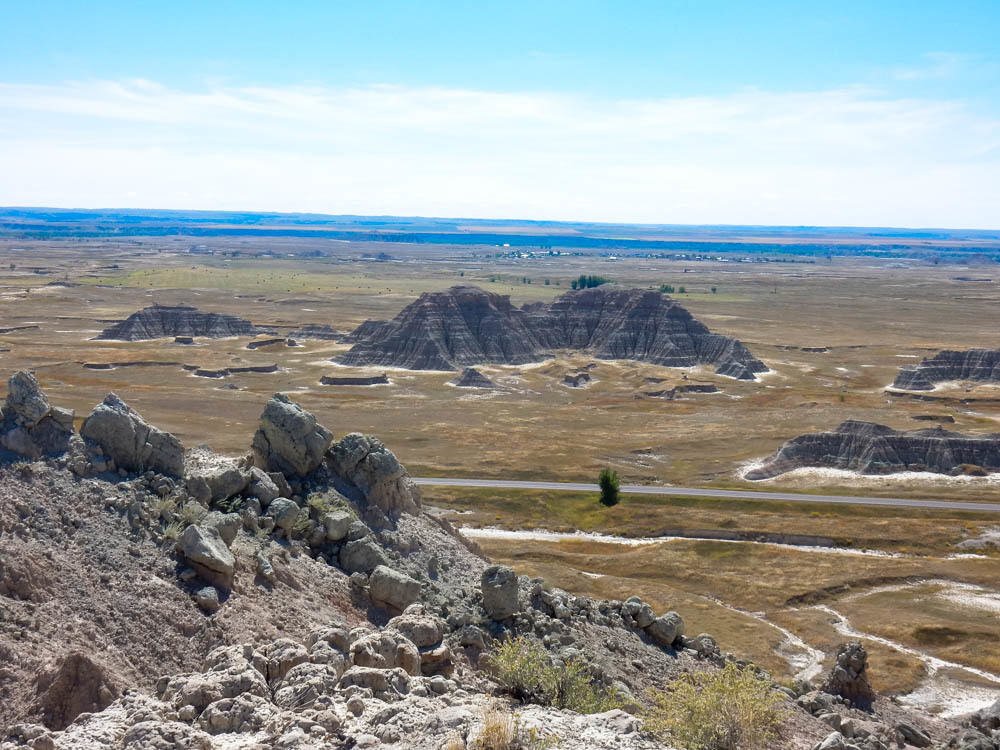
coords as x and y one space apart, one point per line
163 321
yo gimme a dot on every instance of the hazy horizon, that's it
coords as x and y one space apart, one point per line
663 113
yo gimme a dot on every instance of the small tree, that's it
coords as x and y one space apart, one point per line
609 484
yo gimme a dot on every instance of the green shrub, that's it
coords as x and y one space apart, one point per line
523 669
610 486
734 709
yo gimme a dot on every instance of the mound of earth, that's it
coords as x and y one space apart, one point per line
982 365
466 325
872 448
472 378
163 321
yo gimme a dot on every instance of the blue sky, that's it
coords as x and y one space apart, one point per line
702 112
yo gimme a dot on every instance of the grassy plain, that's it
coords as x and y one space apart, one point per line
862 318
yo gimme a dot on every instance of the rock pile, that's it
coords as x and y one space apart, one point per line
165 321
466 326
981 365
872 448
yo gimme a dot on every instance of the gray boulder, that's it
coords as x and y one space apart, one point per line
289 439
25 398
914 735
262 486
134 445
226 524
393 589
666 629
500 593
361 556
338 524
425 630
208 554
284 512
207 598
29 425
987 719
637 613
216 483
367 465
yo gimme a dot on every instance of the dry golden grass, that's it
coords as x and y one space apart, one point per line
499 730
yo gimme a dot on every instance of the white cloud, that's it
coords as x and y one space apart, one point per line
847 156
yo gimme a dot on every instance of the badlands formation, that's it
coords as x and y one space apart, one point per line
871 448
162 321
466 326
979 365
300 596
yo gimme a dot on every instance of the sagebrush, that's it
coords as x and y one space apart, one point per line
524 670
734 709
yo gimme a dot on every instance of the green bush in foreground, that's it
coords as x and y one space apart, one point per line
734 709
523 669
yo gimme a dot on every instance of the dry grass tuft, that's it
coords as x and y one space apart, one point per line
499 730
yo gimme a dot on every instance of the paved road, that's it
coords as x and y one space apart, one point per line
645 489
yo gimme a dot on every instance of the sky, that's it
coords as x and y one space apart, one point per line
701 112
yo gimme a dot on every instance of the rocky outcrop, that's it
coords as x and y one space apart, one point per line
472 378
872 448
289 439
163 321
848 677
466 326
129 441
372 472
500 592
981 365
29 425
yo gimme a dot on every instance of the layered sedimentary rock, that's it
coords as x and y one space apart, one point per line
872 448
472 378
315 331
974 364
163 321
466 325
382 379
